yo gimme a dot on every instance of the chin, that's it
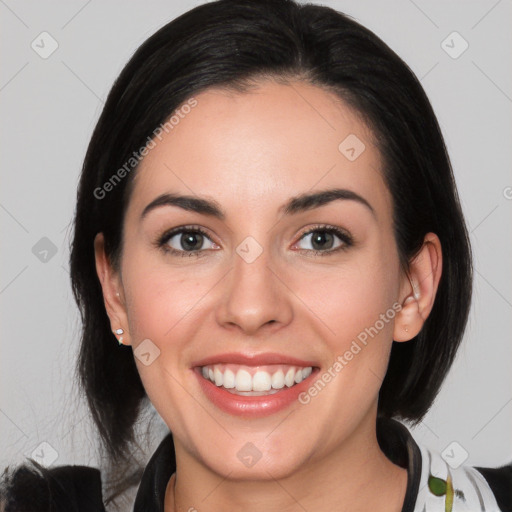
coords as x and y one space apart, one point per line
256 457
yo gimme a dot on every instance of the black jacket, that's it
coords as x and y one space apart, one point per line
78 488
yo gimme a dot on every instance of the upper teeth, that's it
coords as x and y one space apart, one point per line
246 378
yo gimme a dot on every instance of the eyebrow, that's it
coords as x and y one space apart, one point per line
294 205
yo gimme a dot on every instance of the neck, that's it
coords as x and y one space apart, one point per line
355 476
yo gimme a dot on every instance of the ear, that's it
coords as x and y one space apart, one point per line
113 292
418 289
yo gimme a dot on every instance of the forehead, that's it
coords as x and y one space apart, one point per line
256 149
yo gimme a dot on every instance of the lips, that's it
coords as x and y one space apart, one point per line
253 385
254 359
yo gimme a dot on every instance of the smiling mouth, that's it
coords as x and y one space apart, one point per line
255 380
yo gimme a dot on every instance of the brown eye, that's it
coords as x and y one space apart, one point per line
186 241
325 240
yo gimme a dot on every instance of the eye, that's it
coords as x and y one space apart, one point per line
186 241
322 240
189 241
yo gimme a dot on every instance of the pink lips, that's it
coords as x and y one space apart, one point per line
254 360
252 406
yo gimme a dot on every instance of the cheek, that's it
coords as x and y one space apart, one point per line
161 307
158 298
350 298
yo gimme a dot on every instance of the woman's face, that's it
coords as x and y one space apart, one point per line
250 298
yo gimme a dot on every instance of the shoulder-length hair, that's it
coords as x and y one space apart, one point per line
232 44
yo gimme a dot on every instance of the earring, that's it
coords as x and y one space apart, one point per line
120 331
406 330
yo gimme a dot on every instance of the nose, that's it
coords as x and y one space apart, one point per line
254 296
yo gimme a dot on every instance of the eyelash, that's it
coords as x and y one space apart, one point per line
345 237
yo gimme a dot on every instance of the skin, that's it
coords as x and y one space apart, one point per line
251 152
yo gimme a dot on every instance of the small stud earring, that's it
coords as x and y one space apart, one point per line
120 331
406 330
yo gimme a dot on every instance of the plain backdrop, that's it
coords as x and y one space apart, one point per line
49 107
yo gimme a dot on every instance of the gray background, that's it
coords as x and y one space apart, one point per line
48 110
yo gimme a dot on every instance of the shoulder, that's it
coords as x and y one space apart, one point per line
500 482
448 484
32 487
442 482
